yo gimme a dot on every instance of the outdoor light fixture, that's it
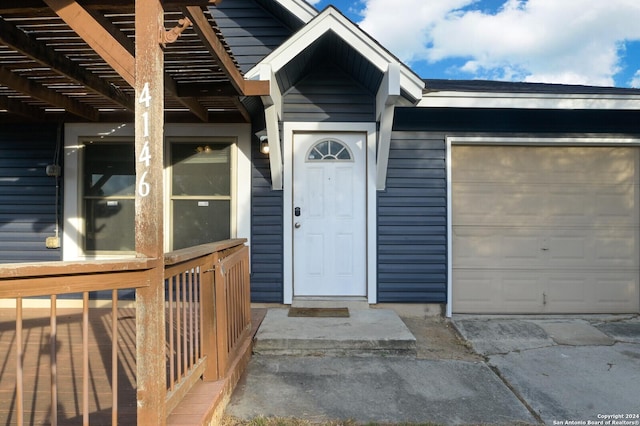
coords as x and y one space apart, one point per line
264 145
264 141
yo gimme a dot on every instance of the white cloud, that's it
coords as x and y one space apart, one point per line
560 41
635 81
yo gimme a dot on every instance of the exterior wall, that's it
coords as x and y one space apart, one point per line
266 233
27 194
412 221
254 32
328 95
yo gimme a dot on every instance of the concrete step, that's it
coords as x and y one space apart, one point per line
366 332
331 302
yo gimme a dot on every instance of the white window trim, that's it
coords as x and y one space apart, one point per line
75 132
212 140
506 141
290 128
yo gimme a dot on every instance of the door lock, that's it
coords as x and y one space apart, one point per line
296 211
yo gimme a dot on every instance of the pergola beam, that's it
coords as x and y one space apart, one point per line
190 102
97 37
17 39
38 91
208 89
170 84
214 45
35 6
20 108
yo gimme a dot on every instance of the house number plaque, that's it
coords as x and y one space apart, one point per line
145 155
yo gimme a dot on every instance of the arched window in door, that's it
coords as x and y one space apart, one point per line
329 150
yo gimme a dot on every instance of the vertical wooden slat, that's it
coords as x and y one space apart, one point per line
221 319
247 288
114 357
172 362
19 375
192 278
53 336
185 322
85 358
149 137
179 325
196 309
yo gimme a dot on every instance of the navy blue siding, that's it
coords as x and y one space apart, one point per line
252 31
27 194
412 228
329 94
266 233
518 121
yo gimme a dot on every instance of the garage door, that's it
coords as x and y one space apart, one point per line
545 229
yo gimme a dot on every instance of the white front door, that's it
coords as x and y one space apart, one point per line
329 214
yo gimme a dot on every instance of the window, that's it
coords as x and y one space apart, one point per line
109 197
329 150
201 193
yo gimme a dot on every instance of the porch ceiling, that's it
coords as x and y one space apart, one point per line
49 70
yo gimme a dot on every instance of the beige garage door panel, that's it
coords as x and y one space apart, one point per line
545 229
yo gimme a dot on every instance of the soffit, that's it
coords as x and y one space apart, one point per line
332 32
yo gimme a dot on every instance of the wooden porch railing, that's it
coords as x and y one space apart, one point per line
207 318
208 313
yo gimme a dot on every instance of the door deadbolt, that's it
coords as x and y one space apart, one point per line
296 211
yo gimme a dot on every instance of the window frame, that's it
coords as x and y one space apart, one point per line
233 190
74 133
83 197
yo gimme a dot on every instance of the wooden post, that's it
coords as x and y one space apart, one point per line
149 137
209 309
222 336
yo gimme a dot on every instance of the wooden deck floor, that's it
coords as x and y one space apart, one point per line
37 376
37 362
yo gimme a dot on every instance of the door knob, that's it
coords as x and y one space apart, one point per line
297 225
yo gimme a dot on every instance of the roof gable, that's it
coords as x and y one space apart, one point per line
330 23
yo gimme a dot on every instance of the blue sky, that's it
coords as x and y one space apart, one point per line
591 42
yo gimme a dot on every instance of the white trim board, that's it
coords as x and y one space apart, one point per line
329 20
301 9
290 128
452 99
506 141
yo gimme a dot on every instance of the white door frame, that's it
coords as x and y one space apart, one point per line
506 140
289 129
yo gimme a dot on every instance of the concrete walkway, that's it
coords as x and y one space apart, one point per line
536 370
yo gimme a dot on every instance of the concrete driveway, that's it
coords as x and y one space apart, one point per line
552 370
565 370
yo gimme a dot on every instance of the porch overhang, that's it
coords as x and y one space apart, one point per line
399 85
